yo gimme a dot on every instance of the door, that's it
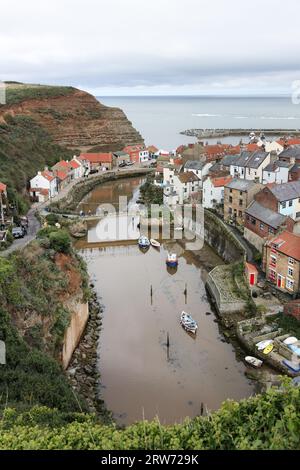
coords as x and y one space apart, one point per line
252 279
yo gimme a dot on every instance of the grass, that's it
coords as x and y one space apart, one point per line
16 93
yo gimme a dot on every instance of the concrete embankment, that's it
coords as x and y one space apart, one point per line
215 133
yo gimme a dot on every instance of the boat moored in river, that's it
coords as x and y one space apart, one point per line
144 242
253 361
154 243
188 323
172 260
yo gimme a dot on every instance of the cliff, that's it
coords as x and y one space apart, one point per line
73 118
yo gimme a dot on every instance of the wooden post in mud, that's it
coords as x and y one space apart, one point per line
168 346
202 409
151 294
185 293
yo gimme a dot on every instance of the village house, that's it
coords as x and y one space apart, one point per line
290 154
152 151
282 198
294 173
186 185
250 165
63 166
122 157
77 168
98 161
63 179
281 262
43 186
274 147
213 191
137 153
237 196
200 168
276 172
262 223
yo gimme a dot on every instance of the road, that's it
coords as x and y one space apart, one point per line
33 228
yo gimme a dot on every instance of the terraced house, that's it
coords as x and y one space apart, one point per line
282 198
250 165
281 262
237 196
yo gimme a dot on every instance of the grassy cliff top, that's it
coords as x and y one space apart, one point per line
19 92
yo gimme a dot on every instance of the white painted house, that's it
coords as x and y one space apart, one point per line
200 168
270 147
250 165
77 168
185 185
277 172
213 191
43 186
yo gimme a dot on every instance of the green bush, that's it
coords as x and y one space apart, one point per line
60 241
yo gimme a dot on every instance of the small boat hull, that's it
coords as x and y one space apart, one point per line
172 260
154 243
253 361
143 242
188 323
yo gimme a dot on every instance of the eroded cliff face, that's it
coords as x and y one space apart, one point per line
77 120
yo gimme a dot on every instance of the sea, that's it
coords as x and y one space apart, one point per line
160 119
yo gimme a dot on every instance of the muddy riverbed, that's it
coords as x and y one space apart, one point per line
139 377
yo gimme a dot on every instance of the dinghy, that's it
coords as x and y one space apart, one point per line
253 361
290 340
268 349
263 344
154 243
172 260
292 365
188 323
144 242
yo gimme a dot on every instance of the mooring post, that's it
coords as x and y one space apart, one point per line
151 293
185 293
168 345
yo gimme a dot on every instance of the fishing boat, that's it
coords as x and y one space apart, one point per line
290 340
268 349
253 361
144 242
188 323
178 229
263 344
172 260
154 243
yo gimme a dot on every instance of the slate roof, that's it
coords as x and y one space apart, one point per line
188 177
194 165
286 191
278 164
240 185
267 216
229 160
251 159
293 151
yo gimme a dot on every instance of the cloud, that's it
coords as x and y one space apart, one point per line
172 45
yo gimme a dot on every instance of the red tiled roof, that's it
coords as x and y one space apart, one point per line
48 175
74 164
251 268
288 244
252 147
288 142
61 163
97 157
233 150
3 187
221 181
133 148
61 175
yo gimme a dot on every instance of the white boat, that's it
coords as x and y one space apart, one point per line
188 323
143 242
177 229
253 361
172 260
263 344
154 243
290 340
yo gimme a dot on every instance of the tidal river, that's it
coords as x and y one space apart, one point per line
140 377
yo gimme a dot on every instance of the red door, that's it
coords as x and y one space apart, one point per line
279 281
252 279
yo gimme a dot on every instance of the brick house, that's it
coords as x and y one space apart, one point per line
237 196
137 153
282 198
281 262
98 161
262 224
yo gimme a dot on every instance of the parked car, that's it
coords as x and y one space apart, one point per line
122 165
93 171
129 163
18 232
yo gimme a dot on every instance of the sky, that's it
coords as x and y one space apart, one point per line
157 47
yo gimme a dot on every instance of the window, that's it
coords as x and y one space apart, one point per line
262 226
273 260
240 202
290 203
291 260
271 230
241 193
283 205
253 221
230 210
290 272
272 275
240 214
289 284
230 191
230 199
247 217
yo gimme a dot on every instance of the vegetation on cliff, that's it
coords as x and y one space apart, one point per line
19 92
25 148
269 421
35 286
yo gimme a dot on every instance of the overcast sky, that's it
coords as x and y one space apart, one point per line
117 47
